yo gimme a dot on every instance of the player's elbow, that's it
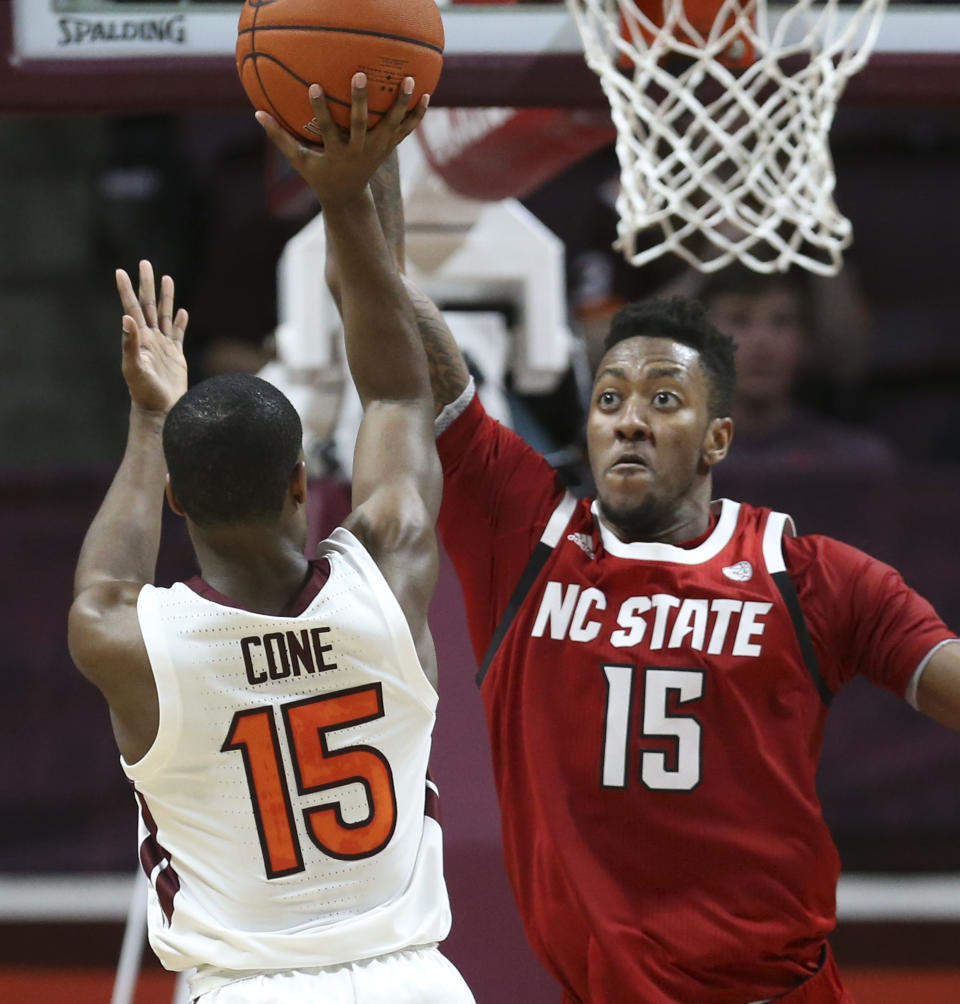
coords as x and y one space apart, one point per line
84 628
331 273
96 625
395 521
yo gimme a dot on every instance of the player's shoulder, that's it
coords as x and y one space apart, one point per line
470 439
812 555
825 566
805 549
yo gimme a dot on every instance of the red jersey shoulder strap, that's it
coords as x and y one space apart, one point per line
779 525
551 536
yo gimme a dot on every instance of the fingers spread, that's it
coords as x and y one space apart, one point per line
279 136
131 335
358 108
413 119
166 305
148 295
326 128
128 299
398 109
180 323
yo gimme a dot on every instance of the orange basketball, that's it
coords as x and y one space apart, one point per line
283 46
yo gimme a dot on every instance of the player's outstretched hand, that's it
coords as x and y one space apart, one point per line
339 171
153 363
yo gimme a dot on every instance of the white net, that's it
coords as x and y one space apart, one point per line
723 125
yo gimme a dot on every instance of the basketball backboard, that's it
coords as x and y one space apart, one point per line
518 54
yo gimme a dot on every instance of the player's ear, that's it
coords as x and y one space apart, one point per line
298 482
717 441
172 498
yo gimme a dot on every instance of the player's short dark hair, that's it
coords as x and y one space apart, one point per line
685 321
231 445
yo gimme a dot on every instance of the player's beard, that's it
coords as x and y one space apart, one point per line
654 518
644 521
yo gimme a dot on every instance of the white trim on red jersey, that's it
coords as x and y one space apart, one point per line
454 409
728 512
910 694
779 525
557 523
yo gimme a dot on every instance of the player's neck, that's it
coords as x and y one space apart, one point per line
258 571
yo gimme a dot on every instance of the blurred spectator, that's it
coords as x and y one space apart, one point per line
770 318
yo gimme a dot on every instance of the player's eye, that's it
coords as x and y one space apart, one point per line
608 399
665 399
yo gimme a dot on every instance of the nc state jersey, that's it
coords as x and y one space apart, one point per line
285 808
656 714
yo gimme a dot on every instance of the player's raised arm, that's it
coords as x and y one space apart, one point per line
396 474
119 552
449 375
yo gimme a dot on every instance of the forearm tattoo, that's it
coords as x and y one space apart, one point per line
448 371
385 186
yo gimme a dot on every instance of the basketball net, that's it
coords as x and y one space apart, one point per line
723 112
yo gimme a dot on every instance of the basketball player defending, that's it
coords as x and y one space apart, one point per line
275 715
656 671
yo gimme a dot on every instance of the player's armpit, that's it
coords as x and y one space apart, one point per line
938 690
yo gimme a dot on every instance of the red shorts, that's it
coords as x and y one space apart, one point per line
824 987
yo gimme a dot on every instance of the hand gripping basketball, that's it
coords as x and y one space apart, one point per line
283 45
339 171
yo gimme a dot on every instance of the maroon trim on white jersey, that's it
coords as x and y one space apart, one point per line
431 805
155 857
319 573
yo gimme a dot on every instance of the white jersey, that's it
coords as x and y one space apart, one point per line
285 810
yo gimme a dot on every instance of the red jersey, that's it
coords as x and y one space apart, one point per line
656 714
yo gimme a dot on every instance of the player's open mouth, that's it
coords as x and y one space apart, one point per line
629 464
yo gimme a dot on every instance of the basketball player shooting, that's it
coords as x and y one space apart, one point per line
656 670
274 714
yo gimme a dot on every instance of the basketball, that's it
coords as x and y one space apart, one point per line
283 46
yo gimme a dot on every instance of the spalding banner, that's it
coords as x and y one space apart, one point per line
104 29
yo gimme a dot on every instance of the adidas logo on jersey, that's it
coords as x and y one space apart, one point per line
583 541
742 571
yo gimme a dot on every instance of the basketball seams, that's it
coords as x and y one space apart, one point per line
327 42
256 69
283 66
420 43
